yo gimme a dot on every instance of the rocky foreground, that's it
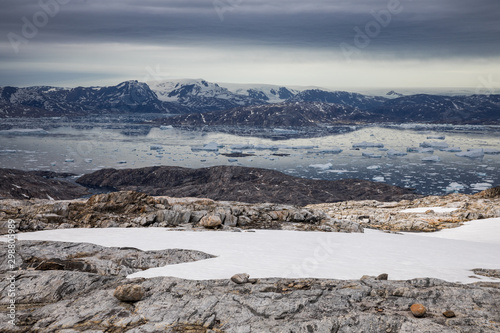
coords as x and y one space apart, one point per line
65 287
70 287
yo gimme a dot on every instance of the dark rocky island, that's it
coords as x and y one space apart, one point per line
234 183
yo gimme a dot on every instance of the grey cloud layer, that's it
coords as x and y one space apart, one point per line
423 28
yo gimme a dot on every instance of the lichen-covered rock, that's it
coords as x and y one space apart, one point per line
129 293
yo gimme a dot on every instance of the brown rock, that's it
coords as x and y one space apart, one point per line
418 310
129 293
449 314
211 221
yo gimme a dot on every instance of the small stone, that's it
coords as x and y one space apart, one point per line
383 276
240 278
449 314
418 310
129 293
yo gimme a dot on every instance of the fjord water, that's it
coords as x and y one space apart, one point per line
83 148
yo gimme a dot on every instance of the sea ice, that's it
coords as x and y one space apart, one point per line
371 155
433 158
8 151
454 187
330 151
155 147
365 144
480 186
491 151
321 166
451 149
378 179
69 160
471 153
435 145
436 137
374 167
392 152
163 127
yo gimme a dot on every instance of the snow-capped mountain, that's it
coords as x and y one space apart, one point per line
359 101
129 96
199 96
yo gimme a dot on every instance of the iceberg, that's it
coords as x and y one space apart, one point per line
365 144
451 150
371 155
392 152
330 151
471 153
155 147
321 166
378 179
211 146
8 151
69 160
163 127
436 137
454 187
241 147
436 145
480 186
420 150
490 151
433 158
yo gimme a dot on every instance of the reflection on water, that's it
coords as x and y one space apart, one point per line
82 149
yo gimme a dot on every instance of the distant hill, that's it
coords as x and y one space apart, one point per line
234 183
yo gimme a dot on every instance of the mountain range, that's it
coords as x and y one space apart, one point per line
247 104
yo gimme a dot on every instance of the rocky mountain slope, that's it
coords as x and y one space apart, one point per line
243 184
273 115
199 96
16 184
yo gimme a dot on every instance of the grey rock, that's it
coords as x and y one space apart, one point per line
240 278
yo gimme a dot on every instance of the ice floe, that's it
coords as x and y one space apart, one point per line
321 166
471 153
433 158
371 155
365 144
435 145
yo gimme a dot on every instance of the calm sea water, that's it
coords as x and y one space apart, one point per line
84 147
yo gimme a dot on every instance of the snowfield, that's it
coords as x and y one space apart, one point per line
447 255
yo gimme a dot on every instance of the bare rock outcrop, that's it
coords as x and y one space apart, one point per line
52 301
134 209
390 216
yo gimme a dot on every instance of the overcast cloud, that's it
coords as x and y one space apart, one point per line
328 43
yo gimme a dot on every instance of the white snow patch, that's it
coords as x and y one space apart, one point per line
296 254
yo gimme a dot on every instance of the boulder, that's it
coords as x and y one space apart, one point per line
129 293
211 221
418 310
240 278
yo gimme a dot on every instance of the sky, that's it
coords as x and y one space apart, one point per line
328 43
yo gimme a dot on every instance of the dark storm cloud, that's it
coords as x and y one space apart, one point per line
420 28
